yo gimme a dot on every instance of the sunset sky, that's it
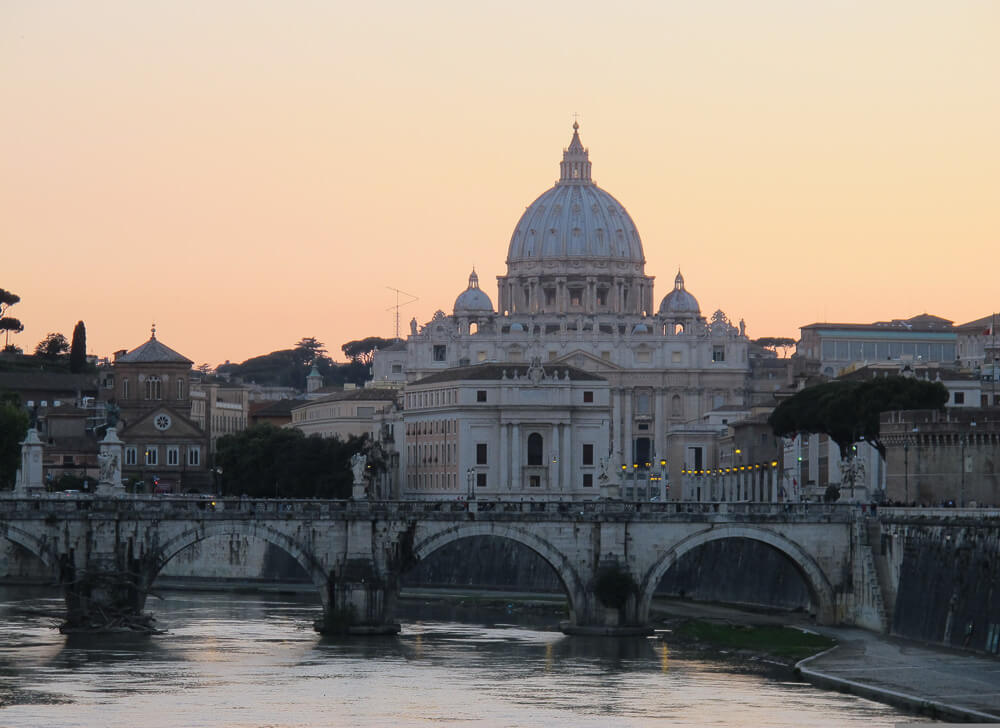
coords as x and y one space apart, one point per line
249 173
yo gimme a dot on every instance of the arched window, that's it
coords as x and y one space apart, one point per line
534 449
153 388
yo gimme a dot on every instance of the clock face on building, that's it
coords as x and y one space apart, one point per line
162 422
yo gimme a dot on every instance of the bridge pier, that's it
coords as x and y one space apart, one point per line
608 605
106 594
360 601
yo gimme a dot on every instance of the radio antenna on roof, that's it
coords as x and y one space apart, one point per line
399 304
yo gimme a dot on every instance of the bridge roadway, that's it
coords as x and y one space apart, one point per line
610 555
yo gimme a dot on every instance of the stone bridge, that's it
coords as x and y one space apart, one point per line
106 552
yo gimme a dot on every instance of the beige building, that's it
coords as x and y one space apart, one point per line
349 412
219 409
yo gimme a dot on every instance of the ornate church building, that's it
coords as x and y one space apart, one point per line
577 306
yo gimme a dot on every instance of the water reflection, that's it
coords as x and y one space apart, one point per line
232 660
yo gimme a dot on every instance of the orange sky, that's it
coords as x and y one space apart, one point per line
249 173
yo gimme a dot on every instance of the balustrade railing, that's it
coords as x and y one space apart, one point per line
204 506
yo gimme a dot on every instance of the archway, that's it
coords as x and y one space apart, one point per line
815 579
32 544
571 582
177 544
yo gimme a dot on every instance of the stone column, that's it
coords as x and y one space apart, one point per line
515 454
567 458
616 428
628 452
110 459
659 425
504 458
29 477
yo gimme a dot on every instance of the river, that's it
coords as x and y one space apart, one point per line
232 660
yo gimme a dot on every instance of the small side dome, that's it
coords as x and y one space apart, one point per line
679 301
472 299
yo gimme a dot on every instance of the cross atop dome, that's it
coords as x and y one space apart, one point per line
575 167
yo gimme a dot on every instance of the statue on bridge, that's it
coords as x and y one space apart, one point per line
359 464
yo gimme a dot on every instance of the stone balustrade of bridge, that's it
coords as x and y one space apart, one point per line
106 552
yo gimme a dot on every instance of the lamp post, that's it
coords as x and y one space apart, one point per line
470 479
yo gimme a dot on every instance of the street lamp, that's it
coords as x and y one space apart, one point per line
470 479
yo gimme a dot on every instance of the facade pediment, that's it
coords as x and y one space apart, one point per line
587 361
163 422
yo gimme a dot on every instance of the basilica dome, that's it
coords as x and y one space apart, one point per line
472 299
679 301
575 219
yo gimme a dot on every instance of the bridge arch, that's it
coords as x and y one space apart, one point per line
560 563
816 580
36 546
166 551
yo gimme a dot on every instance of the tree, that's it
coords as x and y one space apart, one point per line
78 349
204 369
8 323
266 461
363 350
776 342
848 411
13 427
52 346
308 350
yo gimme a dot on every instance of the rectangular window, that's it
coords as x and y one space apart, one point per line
588 480
843 351
575 296
125 388
130 455
480 453
553 355
550 296
366 411
67 459
173 455
480 480
480 356
180 389
440 352
675 357
642 403
643 357
959 397
397 368
480 395
588 396
588 454
829 350
606 355
194 455
718 353
152 455
534 481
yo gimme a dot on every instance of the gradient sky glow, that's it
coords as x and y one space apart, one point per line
248 173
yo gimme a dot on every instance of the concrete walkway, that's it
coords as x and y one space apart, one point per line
949 684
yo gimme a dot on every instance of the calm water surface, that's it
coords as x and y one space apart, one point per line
237 660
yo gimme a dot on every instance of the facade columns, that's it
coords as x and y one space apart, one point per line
616 428
504 458
515 443
659 424
568 457
629 451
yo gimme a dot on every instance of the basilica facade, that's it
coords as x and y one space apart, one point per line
576 297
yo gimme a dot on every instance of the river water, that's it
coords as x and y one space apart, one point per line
254 660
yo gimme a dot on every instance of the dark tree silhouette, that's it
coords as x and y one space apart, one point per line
309 350
848 410
14 422
52 346
363 350
775 342
78 349
8 324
